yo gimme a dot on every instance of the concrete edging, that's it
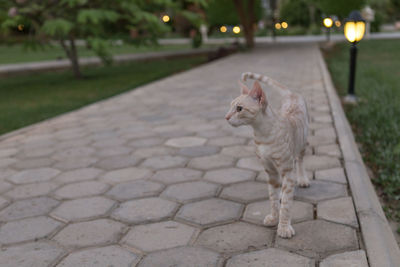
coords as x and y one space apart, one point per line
380 244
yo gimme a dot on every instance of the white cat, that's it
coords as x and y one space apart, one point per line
280 137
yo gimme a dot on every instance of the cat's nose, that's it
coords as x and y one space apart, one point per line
228 116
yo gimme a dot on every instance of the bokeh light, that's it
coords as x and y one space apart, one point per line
236 29
166 18
278 26
223 29
284 25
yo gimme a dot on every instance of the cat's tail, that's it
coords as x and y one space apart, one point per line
267 80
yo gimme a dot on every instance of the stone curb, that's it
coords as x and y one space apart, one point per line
382 249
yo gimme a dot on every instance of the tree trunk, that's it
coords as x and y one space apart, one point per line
72 56
247 20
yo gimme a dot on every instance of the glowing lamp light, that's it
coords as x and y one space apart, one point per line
354 27
20 27
328 22
166 18
338 23
223 29
278 26
236 29
284 25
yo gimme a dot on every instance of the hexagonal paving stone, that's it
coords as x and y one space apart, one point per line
33 163
271 257
190 191
318 140
75 163
4 162
27 229
92 233
351 258
7 152
186 141
33 254
117 162
252 163
114 151
4 186
319 190
34 175
145 210
3 202
73 152
199 151
82 189
77 175
163 162
31 190
332 175
227 141
256 212
106 256
340 210
176 175
135 189
147 152
28 208
239 151
146 142
313 163
212 162
181 257
210 211
236 236
329 150
157 236
83 208
246 192
126 175
319 238
229 175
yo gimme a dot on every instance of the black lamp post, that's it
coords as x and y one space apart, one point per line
328 22
354 29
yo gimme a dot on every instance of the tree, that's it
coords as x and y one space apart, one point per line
95 21
341 8
246 10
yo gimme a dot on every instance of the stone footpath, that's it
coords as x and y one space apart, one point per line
157 177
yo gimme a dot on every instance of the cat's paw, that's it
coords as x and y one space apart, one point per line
285 231
270 220
303 183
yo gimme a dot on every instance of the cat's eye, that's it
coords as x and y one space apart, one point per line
238 108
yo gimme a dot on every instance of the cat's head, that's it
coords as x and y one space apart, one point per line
246 107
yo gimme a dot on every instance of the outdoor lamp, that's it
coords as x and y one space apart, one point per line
166 18
354 29
236 30
328 22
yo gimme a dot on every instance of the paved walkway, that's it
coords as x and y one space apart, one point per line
15 68
156 177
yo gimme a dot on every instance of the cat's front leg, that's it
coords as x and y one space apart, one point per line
285 229
302 178
273 188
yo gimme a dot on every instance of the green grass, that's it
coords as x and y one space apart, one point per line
18 53
26 99
376 120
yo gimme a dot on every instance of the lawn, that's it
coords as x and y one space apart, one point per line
376 119
19 53
26 99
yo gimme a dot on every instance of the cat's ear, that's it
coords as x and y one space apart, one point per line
258 94
244 90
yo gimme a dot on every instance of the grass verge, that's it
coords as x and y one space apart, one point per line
19 54
376 119
26 99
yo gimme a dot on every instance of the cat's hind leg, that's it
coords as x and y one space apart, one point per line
285 229
302 178
274 185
